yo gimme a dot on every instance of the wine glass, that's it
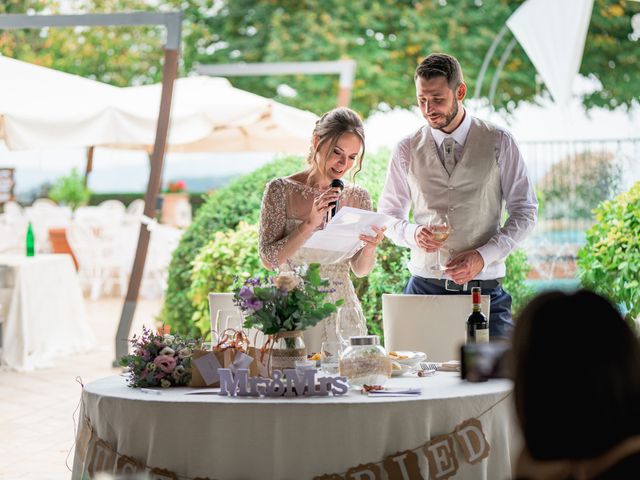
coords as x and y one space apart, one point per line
440 229
350 322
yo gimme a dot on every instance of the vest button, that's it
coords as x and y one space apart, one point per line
451 209
451 187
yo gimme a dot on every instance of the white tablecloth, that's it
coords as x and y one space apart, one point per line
45 316
226 438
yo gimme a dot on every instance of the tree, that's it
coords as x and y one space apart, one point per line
388 38
119 56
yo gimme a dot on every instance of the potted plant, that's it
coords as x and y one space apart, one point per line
70 190
175 200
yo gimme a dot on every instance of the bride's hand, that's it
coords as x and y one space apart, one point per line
371 242
321 206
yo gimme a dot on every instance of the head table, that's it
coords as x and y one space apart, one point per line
206 435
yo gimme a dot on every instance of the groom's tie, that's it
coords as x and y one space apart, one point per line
449 158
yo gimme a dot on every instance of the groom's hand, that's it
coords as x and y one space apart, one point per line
425 240
464 267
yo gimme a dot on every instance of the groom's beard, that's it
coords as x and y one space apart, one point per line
448 118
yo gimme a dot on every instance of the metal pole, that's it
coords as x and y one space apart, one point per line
153 188
346 69
499 68
487 59
89 167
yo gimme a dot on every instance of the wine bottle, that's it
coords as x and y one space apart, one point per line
30 241
477 325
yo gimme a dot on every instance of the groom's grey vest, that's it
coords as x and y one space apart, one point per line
471 196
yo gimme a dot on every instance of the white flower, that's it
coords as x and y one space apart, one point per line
184 353
167 351
178 372
287 281
168 338
151 366
164 383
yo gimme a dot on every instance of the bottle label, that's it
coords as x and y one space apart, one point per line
482 335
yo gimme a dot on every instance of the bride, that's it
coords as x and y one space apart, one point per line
294 207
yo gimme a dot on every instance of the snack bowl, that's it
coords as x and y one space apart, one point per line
407 357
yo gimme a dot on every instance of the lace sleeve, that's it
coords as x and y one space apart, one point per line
361 198
273 219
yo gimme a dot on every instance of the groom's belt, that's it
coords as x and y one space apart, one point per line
452 286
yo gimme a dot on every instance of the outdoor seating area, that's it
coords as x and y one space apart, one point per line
101 239
269 240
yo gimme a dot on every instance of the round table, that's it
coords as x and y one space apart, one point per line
197 433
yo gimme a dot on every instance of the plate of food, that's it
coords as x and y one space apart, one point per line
408 358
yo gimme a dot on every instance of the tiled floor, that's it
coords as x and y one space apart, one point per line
36 408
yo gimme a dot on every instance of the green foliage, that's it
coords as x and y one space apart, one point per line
388 39
577 184
609 262
70 190
119 56
223 210
514 281
231 254
287 302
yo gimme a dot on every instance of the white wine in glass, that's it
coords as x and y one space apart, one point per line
440 229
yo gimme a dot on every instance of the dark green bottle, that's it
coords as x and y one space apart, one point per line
477 325
31 241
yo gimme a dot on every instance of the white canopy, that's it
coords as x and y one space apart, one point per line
553 34
44 108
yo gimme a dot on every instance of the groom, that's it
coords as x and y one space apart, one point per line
465 168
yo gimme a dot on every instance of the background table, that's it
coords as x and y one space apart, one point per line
295 438
45 316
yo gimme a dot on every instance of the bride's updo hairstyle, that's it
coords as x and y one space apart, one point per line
329 128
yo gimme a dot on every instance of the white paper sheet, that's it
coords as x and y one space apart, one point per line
342 232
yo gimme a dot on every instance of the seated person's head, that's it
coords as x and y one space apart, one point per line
577 376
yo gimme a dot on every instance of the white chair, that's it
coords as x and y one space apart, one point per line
223 302
434 324
136 208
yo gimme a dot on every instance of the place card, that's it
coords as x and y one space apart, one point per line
208 366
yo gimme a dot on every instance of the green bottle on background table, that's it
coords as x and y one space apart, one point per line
30 241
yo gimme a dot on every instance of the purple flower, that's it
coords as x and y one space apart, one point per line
246 293
255 281
254 304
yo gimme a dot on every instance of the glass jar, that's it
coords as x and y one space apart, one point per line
288 347
365 362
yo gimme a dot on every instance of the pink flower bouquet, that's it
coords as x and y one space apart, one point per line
159 360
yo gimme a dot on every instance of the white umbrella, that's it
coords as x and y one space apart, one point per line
209 114
43 108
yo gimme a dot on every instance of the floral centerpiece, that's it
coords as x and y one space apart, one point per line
159 360
179 186
285 305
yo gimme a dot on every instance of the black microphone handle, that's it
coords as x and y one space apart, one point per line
336 183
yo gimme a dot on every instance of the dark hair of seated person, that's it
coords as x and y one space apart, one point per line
576 376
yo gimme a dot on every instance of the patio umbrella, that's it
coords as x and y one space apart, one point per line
43 108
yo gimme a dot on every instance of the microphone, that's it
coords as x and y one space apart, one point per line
336 183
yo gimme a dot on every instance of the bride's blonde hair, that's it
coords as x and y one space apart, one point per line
329 128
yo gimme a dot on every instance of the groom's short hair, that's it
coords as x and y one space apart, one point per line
440 65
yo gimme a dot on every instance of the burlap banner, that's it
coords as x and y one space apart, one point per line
96 456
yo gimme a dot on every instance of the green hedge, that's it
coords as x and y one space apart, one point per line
609 262
230 250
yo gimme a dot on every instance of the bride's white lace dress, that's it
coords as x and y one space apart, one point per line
285 205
